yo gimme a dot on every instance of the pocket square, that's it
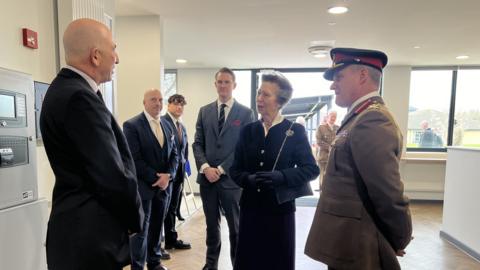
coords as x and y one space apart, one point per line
236 122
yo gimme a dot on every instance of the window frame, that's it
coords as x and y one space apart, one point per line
451 113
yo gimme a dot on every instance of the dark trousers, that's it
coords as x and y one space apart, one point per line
213 197
145 246
171 235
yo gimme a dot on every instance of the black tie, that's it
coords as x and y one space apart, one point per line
99 94
221 118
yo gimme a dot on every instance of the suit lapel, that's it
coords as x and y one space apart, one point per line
150 136
167 136
213 112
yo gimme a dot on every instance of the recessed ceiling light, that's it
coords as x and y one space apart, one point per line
320 55
416 47
181 61
462 57
338 10
332 23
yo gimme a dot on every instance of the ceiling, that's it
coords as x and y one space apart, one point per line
277 33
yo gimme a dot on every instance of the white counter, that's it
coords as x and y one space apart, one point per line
461 217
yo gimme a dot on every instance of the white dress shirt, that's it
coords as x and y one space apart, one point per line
153 122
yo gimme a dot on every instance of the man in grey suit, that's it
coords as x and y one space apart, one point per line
217 130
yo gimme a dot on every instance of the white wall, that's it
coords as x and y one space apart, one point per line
141 66
460 209
197 85
37 15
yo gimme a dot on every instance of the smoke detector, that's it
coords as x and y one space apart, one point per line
319 51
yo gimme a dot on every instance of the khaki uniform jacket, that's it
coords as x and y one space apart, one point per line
343 235
325 136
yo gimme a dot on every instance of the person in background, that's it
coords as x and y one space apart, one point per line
95 203
362 219
173 116
273 164
152 142
217 130
325 135
301 120
429 139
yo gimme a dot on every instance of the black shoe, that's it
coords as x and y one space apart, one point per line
179 217
208 268
158 267
165 255
179 244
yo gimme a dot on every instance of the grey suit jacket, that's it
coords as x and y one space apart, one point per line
214 148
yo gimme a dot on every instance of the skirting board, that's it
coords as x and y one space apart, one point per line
472 253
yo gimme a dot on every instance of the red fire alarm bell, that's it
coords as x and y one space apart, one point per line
30 38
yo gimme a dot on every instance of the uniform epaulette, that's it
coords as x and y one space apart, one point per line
374 106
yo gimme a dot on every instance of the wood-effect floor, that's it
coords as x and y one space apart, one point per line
426 252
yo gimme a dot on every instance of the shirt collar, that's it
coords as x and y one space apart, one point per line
362 99
229 103
277 120
175 120
89 80
149 117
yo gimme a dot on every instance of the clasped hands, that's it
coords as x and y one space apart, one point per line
212 174
162 181
264 180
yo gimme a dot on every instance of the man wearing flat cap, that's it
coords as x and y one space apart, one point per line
362 219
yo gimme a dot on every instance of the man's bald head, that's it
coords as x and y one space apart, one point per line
89 47
153 102
80 36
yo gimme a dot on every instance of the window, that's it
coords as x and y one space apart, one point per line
243 92
443 109
430 92
169 83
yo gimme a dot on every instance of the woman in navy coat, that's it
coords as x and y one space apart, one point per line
273 164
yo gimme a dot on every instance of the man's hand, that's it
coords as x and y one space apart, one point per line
400 252
162 181
212 174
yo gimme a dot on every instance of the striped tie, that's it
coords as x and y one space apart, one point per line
221 117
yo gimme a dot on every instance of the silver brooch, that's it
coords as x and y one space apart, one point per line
289 133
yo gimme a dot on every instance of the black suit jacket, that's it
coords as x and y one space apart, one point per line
146 152
255 153
95 197
182 148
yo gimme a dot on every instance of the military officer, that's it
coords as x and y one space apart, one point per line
362 219
325 135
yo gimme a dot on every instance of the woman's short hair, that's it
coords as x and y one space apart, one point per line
284 87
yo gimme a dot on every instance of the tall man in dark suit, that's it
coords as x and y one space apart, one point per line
95 197
152 143
363 219
217 130
174 112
